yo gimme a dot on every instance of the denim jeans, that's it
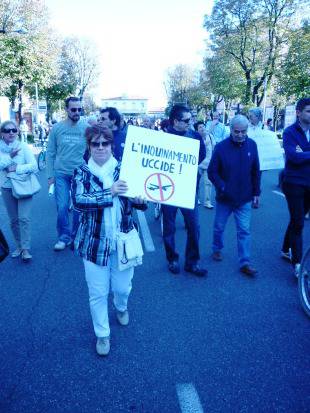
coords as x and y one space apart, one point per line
298 201
191 223
62 197
242 215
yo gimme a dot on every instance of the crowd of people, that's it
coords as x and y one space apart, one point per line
83 163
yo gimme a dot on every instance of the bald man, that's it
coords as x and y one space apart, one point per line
234 171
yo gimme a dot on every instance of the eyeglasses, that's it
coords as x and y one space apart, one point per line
185 120
14 130
76 110
97 144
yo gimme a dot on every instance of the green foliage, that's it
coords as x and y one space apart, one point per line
295 74
223 77
252 34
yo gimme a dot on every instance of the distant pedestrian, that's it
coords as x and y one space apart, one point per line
296 181
234 171
65 150
96 194
216 128
203 166
23 127
180 118
16 157
269 125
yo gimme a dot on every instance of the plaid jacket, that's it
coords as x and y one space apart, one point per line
90 198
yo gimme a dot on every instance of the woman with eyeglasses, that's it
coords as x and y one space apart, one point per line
16 157
96 194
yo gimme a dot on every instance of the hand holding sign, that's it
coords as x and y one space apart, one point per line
119 188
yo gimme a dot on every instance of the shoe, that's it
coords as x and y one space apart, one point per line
16 253
103 346
26 256
307 216
198 202
247 270
217 256
297 270
208 205
122 317
59 246
286 255
174 267
196 270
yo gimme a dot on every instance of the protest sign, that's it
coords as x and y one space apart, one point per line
270 153
160 167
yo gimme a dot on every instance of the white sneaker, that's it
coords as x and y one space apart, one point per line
198 202
103 346
208 205
16 253
122 317
297 270
286 255
59 246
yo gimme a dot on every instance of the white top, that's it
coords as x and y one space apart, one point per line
24 160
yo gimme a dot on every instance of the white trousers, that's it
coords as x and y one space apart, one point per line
98 279
206 187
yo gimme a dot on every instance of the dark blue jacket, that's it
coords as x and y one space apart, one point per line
234 171
193 135
119 137
297 164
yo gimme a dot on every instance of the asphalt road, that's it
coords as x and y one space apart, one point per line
224 343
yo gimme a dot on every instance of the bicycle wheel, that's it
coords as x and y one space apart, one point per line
41 161
304 283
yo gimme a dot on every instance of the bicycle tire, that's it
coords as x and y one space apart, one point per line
41 161
304 283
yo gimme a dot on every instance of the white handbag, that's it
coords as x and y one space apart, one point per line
25 185
129 249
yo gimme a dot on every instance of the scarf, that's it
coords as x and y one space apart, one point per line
7 148
112 215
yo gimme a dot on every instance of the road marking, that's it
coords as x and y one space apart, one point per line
188 398
146 234
279 193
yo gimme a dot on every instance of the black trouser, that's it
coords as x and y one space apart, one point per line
298 201
191 223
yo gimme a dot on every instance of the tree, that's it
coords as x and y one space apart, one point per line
252 33
29 56
185 85
83 63
295 73
223 78
63 84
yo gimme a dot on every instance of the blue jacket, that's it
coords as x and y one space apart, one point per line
119 137
297 164
193 135
234 171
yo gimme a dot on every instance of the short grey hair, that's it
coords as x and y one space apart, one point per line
239 120
257 112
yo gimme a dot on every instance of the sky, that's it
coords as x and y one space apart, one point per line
136 40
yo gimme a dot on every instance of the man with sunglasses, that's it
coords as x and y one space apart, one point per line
180 120
65 151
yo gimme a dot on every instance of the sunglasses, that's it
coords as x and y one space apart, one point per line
185 120
97 144
76 110
14 130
